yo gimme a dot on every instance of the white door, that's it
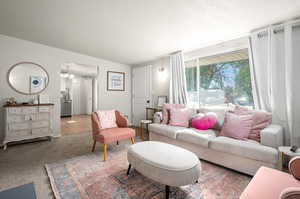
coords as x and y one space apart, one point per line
141 95
88 95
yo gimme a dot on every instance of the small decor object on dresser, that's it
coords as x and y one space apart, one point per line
115 81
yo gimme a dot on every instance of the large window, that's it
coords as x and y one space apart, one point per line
220 79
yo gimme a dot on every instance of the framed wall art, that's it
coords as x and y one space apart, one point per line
115 81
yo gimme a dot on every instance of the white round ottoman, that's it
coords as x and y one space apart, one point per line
164 163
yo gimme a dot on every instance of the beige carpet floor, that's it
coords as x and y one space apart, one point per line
24 163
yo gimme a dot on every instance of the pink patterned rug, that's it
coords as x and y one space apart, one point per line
88 177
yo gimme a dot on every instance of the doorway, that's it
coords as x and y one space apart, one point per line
78 97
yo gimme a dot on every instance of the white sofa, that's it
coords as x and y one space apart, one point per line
243 156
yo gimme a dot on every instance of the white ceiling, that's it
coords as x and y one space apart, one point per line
135 31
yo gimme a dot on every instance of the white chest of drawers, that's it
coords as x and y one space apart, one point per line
23 122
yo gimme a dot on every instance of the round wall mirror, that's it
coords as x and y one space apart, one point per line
28 78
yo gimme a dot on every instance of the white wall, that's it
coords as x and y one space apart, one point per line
15 50
160 80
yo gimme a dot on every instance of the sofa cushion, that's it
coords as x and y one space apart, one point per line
194 136
249 149
166 130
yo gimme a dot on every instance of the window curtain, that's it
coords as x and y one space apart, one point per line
178 90
275 68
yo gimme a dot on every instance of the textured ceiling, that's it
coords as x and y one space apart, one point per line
135 31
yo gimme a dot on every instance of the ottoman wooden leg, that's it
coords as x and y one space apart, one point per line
167 191
128 170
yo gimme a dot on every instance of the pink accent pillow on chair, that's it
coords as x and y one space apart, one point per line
107 119
179 117
236 126
166 111
261 119
204 121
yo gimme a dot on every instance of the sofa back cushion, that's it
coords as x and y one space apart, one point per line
107 119
236 126
261 119
220 111
179 117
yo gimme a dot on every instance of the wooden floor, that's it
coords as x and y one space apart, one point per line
76 124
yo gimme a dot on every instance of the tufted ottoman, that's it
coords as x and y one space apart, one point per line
164 163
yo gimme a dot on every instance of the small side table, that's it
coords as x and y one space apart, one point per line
144 123
285 151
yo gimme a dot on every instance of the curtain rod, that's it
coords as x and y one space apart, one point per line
276 28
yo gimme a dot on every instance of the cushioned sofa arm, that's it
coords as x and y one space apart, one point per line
272 136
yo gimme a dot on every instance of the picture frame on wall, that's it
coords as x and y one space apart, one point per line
161 100
115 81
37 83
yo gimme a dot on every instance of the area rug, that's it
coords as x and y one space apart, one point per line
89 177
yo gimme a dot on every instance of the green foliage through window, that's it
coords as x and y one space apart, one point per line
221 83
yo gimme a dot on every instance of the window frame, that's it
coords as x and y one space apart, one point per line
198 73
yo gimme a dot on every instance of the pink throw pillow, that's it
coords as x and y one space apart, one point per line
107 119
166 111
204 121
261 119
236 126
179 117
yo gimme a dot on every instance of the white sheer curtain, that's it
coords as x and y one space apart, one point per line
178 90
276 75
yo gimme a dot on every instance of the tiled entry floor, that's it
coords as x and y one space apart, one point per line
76 124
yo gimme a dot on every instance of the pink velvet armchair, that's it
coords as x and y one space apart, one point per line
107 136
270 183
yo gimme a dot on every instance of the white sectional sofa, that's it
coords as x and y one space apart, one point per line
243 156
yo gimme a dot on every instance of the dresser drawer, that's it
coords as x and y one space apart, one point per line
40 131
15 118
18 126
29 110
40 124
18 135
15 110
40 116
43 109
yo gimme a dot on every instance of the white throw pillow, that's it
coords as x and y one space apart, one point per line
107 119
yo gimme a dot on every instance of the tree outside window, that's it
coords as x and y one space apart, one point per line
220 83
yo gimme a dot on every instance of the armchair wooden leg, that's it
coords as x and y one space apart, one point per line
94 145
105 152
132 140
117 142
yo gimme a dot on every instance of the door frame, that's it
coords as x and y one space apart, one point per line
149 74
